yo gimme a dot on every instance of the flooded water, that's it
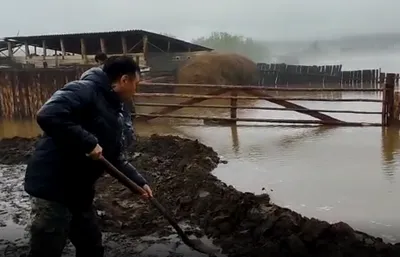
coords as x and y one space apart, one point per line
345 173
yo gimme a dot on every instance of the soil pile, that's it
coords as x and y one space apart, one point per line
241 223
16 150
218 68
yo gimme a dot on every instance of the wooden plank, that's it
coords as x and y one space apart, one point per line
261 88
301 109
267 97
290 121
216 106
190 102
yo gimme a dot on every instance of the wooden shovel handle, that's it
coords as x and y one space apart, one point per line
113 171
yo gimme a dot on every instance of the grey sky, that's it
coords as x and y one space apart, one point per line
187 19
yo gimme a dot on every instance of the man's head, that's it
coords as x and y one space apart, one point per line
100 58
124 75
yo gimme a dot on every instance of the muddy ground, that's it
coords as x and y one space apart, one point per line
242 224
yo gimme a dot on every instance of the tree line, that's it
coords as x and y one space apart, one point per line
228 43
225 42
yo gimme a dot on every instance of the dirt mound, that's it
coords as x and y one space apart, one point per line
16 150
218 68
242 223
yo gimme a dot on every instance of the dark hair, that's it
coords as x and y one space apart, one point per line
100 57
117 66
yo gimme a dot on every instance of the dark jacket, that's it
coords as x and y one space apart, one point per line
128 110
76 118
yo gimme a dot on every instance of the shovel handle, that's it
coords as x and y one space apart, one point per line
113 171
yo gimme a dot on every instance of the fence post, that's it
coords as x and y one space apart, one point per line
233 108
388 109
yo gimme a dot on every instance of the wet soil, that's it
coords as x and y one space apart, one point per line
242 224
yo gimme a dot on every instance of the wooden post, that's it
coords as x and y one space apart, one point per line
124 46
35 50
388 100
234 106
103 45
235 139
56 57
83 51
145 48
168 46
26 50
62 46
10 49
44 49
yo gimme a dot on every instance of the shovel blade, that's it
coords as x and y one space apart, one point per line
199 246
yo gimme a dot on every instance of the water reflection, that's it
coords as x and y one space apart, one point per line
291 140
235 139
390 151
21 128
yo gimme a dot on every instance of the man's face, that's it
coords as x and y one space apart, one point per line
127 86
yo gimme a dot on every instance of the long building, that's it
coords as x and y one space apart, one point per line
79 48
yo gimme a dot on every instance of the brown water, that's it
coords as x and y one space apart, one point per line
334 174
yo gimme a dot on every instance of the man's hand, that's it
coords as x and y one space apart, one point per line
148 193
96 153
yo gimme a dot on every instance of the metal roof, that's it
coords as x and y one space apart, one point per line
157 42
3 45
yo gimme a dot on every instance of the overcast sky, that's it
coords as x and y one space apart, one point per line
187 19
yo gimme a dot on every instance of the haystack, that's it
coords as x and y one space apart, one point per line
218 68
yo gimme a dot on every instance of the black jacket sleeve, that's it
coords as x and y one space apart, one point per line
57 117
125 167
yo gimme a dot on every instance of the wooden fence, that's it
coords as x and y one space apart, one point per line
261 93
283 75
22 92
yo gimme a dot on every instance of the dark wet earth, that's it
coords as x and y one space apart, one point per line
14 222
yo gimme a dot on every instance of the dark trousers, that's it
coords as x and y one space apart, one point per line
54 223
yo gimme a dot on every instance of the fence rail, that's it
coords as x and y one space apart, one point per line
258 98
263 88
261 93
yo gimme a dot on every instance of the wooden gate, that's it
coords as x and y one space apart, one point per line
263 93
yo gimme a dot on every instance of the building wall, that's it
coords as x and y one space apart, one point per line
168 62
57 61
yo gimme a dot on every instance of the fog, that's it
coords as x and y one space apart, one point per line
306 32
188 19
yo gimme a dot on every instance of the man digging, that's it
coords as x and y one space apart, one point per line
128 109
81 122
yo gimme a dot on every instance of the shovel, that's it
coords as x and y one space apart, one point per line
195 244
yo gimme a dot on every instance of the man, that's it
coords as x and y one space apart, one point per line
128 109
81 122
100 58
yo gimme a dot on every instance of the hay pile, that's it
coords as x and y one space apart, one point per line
218 68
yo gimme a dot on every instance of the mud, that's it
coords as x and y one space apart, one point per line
242 224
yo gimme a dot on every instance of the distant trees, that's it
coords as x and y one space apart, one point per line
225 42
